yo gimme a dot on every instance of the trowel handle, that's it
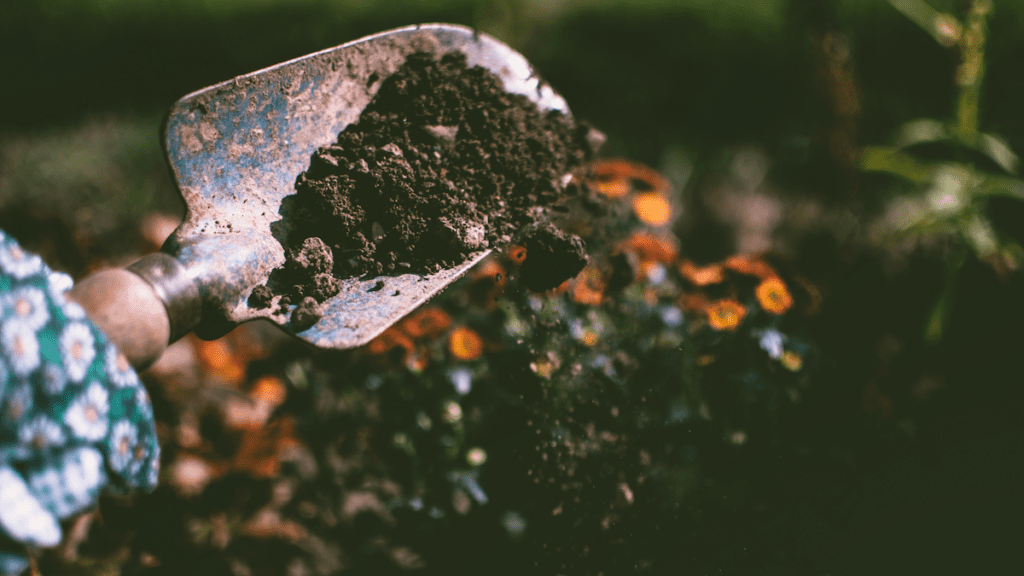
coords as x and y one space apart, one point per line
142 308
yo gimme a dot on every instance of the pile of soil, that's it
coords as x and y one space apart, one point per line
442 163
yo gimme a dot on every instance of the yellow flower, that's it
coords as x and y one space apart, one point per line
791 360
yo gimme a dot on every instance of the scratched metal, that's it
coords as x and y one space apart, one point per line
236 149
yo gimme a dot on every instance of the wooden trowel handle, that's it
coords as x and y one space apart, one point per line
141 309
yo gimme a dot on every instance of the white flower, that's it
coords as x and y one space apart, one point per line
656 274
670 316
77 350
461 379
87 415
59 283
123 439
771 342
20 345
27 305
17 262
54 379
41 432
22 517
18 402
71 486
119 371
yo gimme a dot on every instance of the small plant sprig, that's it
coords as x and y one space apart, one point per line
950 195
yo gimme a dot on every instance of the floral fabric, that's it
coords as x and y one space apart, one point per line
74 418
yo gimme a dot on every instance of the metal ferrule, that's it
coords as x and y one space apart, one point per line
176 290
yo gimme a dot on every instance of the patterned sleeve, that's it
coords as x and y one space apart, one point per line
74 418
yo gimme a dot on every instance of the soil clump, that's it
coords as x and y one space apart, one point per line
442 163
552 257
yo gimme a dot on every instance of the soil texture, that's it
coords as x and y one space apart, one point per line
442 163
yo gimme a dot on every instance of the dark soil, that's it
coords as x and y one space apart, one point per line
552 257
306 314
442 163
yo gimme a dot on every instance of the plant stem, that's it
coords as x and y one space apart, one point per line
971 70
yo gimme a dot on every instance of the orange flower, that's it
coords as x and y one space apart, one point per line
489 280
220 360
695 302
418 361
750 266
259 449
773 296
490 269
388 341
588 287
426 322
215 354
269 390
612 188
614 176
703 275
465 344
652 208
651 247
516 254
725 314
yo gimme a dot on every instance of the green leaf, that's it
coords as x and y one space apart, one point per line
999 151
921 131
890 160
943 27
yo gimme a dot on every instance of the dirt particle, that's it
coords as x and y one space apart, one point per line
552 257
261 297
313 257
307 272
306 314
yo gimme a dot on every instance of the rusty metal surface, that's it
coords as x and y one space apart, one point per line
236 149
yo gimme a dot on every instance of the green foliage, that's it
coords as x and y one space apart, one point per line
952 167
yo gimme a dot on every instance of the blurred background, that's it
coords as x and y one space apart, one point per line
843 138
673 83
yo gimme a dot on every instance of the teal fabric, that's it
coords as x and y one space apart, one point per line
74 418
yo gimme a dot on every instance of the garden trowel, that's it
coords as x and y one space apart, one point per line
235 150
